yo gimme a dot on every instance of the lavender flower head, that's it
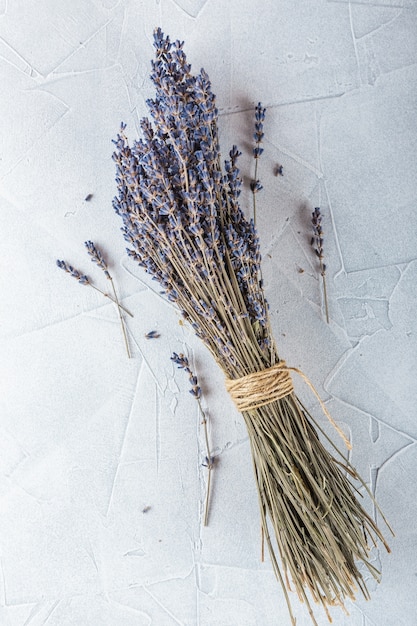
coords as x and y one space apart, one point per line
317 239
82 278
182 361
97 257
259 130
255 186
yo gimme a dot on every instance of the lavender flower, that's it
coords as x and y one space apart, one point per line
182 361
259 130
317 239
257 151
97 257
317 244
82 278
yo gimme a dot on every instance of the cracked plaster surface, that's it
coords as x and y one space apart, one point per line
102 482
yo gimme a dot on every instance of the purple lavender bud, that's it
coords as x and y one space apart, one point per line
257 152
256 186
196 392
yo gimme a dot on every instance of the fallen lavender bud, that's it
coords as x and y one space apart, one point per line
317 239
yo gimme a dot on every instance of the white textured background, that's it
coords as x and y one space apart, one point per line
88 439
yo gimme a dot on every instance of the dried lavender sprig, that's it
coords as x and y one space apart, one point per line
85 280
98 258
182 361
317 244
257 151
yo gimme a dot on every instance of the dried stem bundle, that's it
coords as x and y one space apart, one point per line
184 226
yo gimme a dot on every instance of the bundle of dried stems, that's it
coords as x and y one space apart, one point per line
184 226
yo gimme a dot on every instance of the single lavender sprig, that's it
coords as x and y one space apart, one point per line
98 258
257 151
317 244
182 361
84 280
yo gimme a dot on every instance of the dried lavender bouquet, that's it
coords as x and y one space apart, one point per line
184 226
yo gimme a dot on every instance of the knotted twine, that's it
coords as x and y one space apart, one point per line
257 389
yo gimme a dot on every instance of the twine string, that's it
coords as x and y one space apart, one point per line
257 389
